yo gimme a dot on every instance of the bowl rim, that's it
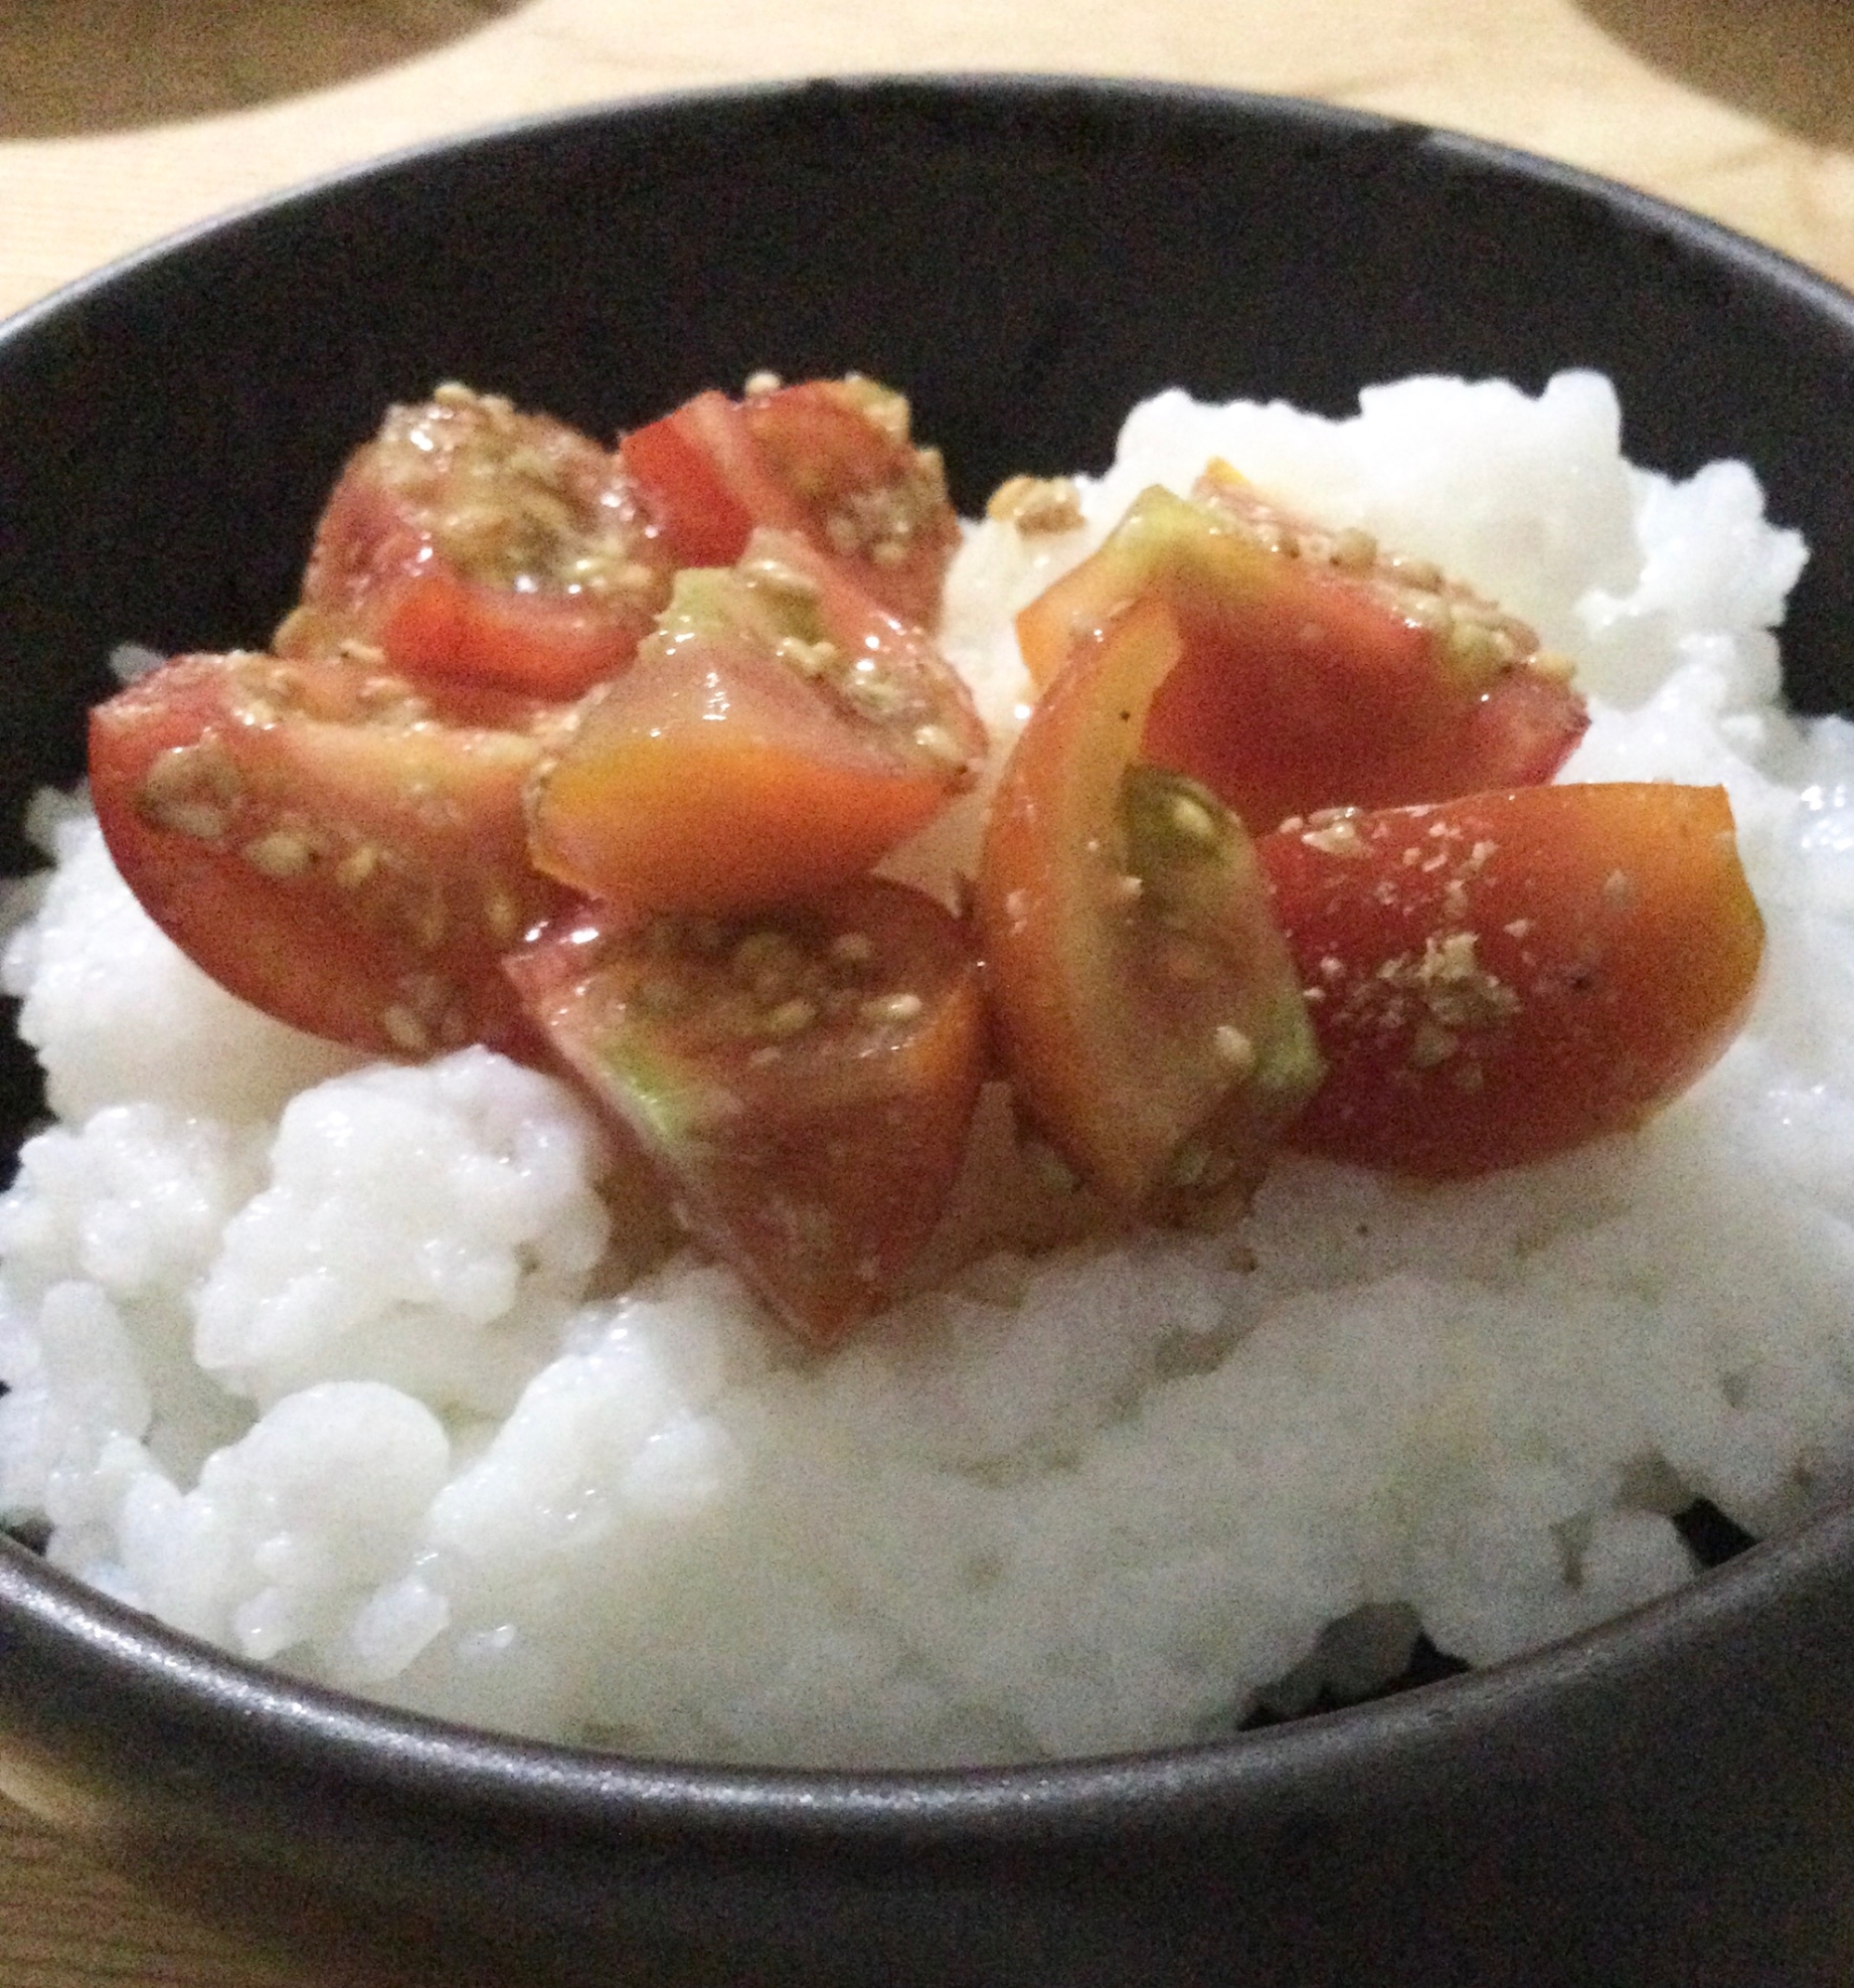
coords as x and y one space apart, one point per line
1046 90
1071 1799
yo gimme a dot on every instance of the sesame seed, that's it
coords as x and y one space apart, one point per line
1233 1049
1354 551
191 791
809 659
501 914
1036 505
777 576
1123 890
1433 1045
1336 838
1425 576
281 854
850 952
762 382
1430 613
938 745
405 1031
427 922
357 866
1192 819
790 1018
893 1008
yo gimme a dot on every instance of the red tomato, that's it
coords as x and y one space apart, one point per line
468 540
775 738
1500 977
322 843
828 458
804 1080
1148 1008
704 482
1314 671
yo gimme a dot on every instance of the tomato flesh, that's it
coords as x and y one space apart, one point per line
830 460
1503 976
1149 1011
778 736
1314 671
804 1080
327 846
471 541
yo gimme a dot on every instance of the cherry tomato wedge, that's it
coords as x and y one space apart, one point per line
804 1080
470 541
775 738
1315 670
1150 1013
828 458
326 846
1503 976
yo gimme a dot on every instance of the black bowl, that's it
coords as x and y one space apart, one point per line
1667 1799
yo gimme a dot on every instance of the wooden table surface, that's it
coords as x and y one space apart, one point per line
1743 111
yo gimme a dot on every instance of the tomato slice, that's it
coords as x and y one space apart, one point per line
1148 1007
828 458
1503 976
1315 671
325 844
470 541
804 1079
775 738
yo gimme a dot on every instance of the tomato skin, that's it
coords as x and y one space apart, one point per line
827 458
704 482
1148 1010
814 1158
716 775
1505 976
468 540
1314 678
325 846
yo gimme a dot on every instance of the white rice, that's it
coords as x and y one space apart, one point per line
363 1383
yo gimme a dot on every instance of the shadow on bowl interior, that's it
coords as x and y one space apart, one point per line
1668 1799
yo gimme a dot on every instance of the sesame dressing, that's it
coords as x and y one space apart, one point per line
515 500
1477 638
881 675
760 985
389 866
1037 506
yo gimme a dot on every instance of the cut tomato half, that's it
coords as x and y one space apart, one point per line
470 541
1503 976
1315 670
1149 1009
777 737
328 846
804 1080
828 458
